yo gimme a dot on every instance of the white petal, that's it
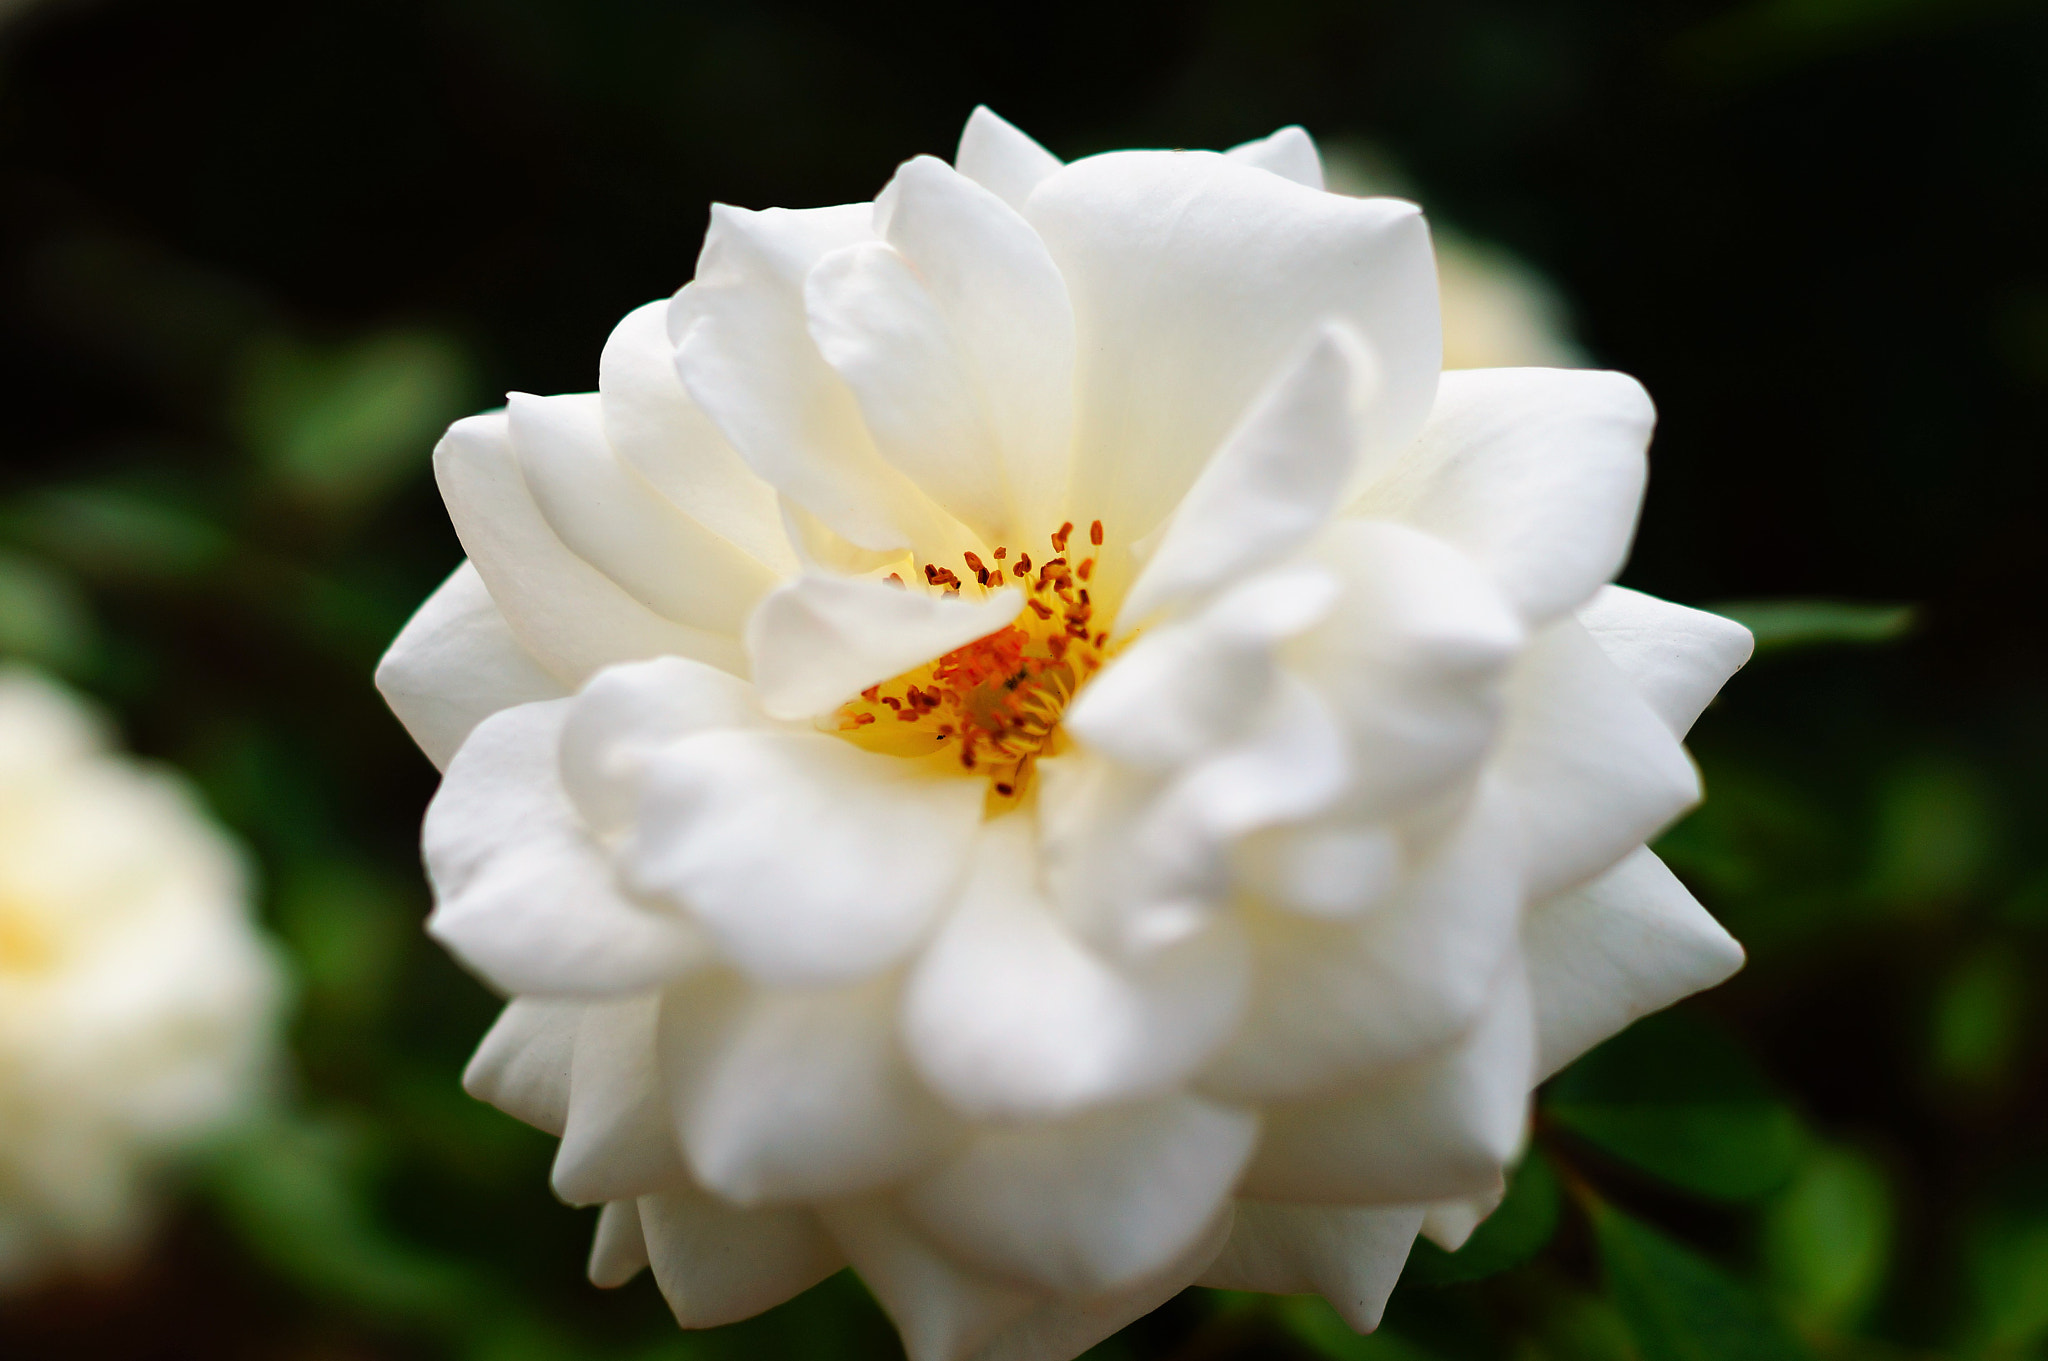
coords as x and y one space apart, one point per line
1090 1203
717 1264
1007 1015
455 664
787 1094
1001 159
658 431
1349 1255
1210 740
1063 1328
1192 279
1289 153
610 516
1412 657
943 1310
1006 307
1163 871
1602 955
1537 473
569 616
1336 1001
805 857
1187 687
1677 658
628 713
1329 870
745 355
1439 1128
1288 767
618 1142
877 324
821 548
1271 485
1088 808
1450 1223
1596 771
821 640
619 1251
522 1066
522 894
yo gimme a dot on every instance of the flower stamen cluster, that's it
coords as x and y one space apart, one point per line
995 703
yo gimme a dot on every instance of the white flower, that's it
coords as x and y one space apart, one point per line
1029 741
138 1008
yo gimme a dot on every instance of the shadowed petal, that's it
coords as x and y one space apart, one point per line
1091 1203
1607 953
943 1309
1350 1255
789 1094
522 893
455 664
717 1264
1193 279
1009 1015
1271 485
1439 1128
1536 473
568 615
1677 658
805 858
618 1252
661 434
522 1066
1595 770
618 1143
610 516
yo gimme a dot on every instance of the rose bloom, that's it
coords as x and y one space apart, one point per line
1028 739
138 1006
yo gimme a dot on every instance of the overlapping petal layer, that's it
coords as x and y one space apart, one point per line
1027 741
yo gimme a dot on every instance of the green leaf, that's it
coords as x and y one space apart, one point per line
1827 1237
1576 1325
296 1190
1781 625
1935 839
114 531
1979 1017
1678 1100
1508 1237
2009 1280
342 426
1681 1307
44 617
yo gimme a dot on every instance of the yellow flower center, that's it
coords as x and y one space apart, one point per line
25 945
994 705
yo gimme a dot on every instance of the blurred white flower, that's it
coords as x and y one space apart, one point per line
138 1007
1497 311
1029 741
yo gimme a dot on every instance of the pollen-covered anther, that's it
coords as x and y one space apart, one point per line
995 703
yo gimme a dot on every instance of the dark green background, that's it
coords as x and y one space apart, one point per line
253 255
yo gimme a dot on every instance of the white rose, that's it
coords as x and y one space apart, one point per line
138 1007
1198 900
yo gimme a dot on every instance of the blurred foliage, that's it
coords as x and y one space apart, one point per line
253 256
1805 623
